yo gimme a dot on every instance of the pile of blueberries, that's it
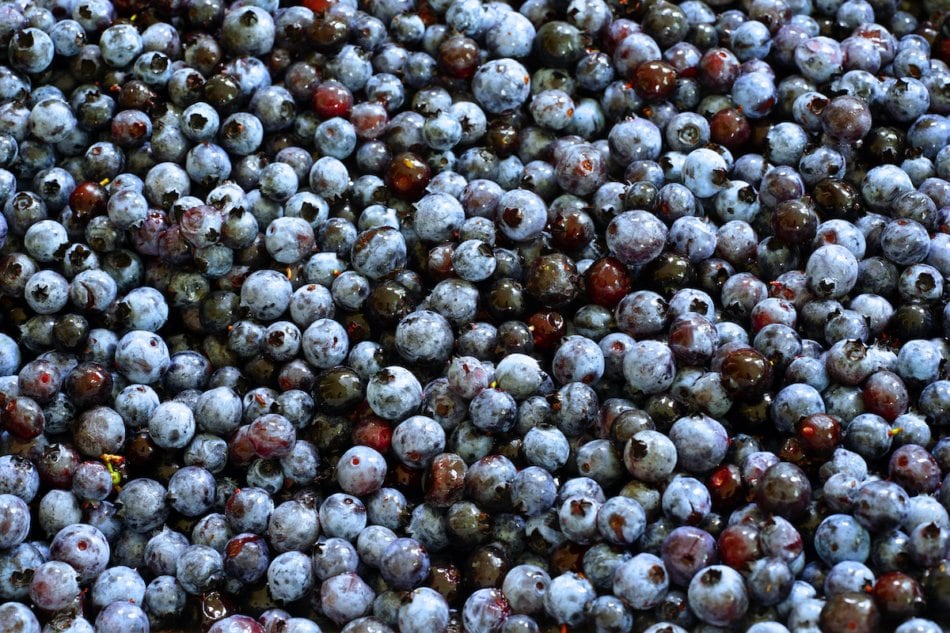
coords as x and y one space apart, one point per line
475 316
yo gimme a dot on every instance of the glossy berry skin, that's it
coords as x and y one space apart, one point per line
745 373
898 596
784 490
407 176
847 118
885 395
607 282
914 469
850 612
880 505
819 434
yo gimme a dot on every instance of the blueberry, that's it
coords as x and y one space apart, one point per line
649 367
686 500
387 507
650 456
485 611
637 139
501 84
249 510
493 410
142 357
342 516
636 237
577 517
701 443
685 551
361 470
641 582
705 172
16 520
336 138
122 616
718 595
546 447
568 598
143 504
905 241
19 477
755 94
770 580
84 548
162 551
394 393
325 343
345 597
404 563
424 337
118 584
378 252
371 543
832 271
31 50
191 490
533 491
290 576
839 537
164 597
199 568
883 184
333 556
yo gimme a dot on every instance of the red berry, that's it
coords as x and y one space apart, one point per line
332 99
